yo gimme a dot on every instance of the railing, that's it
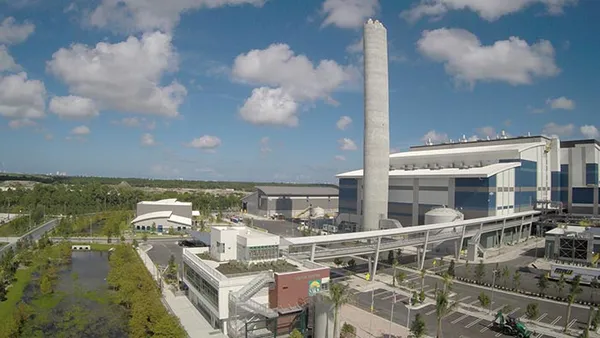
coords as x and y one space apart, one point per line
254 286
205 268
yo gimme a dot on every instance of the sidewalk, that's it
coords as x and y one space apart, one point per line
191 320
364 322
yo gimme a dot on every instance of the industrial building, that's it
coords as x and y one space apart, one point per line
290 201
577 186
163 215
573 244
243 287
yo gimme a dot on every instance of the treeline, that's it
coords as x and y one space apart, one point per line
137 292
144 182
77 199
22 224
110 224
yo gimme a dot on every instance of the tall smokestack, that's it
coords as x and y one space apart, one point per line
377 130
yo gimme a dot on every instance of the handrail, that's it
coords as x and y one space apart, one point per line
192 258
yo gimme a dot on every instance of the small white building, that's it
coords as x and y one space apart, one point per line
162 215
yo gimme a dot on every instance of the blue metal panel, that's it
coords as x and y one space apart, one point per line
555 186
348 181
583 195
564 175
473 182
591 173
474 200
526 174
348 195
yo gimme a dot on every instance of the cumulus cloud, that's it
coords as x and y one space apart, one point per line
286 80
12 32
73 107
124 76
553 129
347 144
133 16
348 14
7 63
561 103
356 47
206 142
21 98
434 137
21 123
147 140
80 131
343 122
589 131
340 158
465 58
488 10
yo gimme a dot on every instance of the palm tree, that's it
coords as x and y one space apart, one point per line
443 307
516 280
447 280
339 294
560 285
422 274
573 292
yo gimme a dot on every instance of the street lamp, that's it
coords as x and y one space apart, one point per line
494 272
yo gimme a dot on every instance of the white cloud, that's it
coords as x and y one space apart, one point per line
21 123
265 145
21 98
147 140
350 14
148 15
287 80
7 63
124 76
135 122
73 107
12 32
347 144
468 61
80 131
589 131
489 10
207 142
343 122
435 137
553 129
340 157
561 103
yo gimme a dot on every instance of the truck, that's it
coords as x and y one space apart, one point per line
570 271
510 326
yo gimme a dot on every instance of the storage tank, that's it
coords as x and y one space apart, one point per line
324 317
317 212
443 215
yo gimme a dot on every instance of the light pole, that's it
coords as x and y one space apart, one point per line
408 305
494 272
392 312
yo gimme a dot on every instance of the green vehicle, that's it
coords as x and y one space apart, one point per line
510 326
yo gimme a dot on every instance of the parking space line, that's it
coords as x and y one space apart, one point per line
571 323
542 316
487 327
430 312
381 293
555 320
473 302
390 296
459 319
463 299
471 324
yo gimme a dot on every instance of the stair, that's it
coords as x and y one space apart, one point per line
254 286
254 307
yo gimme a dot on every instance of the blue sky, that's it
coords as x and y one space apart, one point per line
272 90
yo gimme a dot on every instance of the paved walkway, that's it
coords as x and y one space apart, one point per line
370 326
192 321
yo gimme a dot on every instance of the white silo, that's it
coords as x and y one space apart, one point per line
377 130
324 317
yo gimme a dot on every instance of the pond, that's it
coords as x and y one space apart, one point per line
80 305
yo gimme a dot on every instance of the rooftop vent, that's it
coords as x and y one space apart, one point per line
429 142
529 133
464 139
503 135
488 137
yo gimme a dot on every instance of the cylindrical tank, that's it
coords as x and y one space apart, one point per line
317 212
443 215
376 150
324 317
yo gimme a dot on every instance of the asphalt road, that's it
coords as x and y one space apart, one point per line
163 249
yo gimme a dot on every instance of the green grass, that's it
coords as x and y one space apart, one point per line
15 292
97 246
2 244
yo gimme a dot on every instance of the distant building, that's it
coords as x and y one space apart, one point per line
244 302
290 201
579 176
163 215
573 244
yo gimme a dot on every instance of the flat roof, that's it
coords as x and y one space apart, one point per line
484 172
573 143
245 231
168 201
286 190
429 152
482 142
152 215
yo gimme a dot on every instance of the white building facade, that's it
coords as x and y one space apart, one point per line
163 215
579 176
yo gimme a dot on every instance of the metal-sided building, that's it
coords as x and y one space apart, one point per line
579 176
478 178
290 201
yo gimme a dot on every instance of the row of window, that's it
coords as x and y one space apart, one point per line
201 285
257 253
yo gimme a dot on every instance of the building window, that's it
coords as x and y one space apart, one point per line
259 253
205 288
220 247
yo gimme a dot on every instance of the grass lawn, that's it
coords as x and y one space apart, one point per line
15 292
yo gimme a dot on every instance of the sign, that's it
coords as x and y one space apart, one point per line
367 276
314 286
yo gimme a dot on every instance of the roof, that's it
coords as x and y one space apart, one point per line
152 215
169 201
180 220
482 142
428 152
572 144
486 171
282 190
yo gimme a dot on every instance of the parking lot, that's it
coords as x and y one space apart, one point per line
281 228
163 249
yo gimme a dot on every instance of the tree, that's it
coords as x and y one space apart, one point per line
296 334
480 271
351 263
417 327
484 300
46 285
134 243
447 280
153 227
574 291
594 284
451 268
400 277
516 280
390 258
560 285
467 269
348 331
505 276
542 284
338 261
532 311
596 320
443 307
339 295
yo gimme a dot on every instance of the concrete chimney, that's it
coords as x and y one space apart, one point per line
377 129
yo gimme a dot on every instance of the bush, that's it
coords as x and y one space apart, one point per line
484 300
348 331
296 334
532 310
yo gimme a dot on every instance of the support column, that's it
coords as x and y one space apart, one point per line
460 244
521 228
376 259
502 233
313 249
424 250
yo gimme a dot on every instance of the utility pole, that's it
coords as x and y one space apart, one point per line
392 312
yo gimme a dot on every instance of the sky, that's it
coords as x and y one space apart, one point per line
272 90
